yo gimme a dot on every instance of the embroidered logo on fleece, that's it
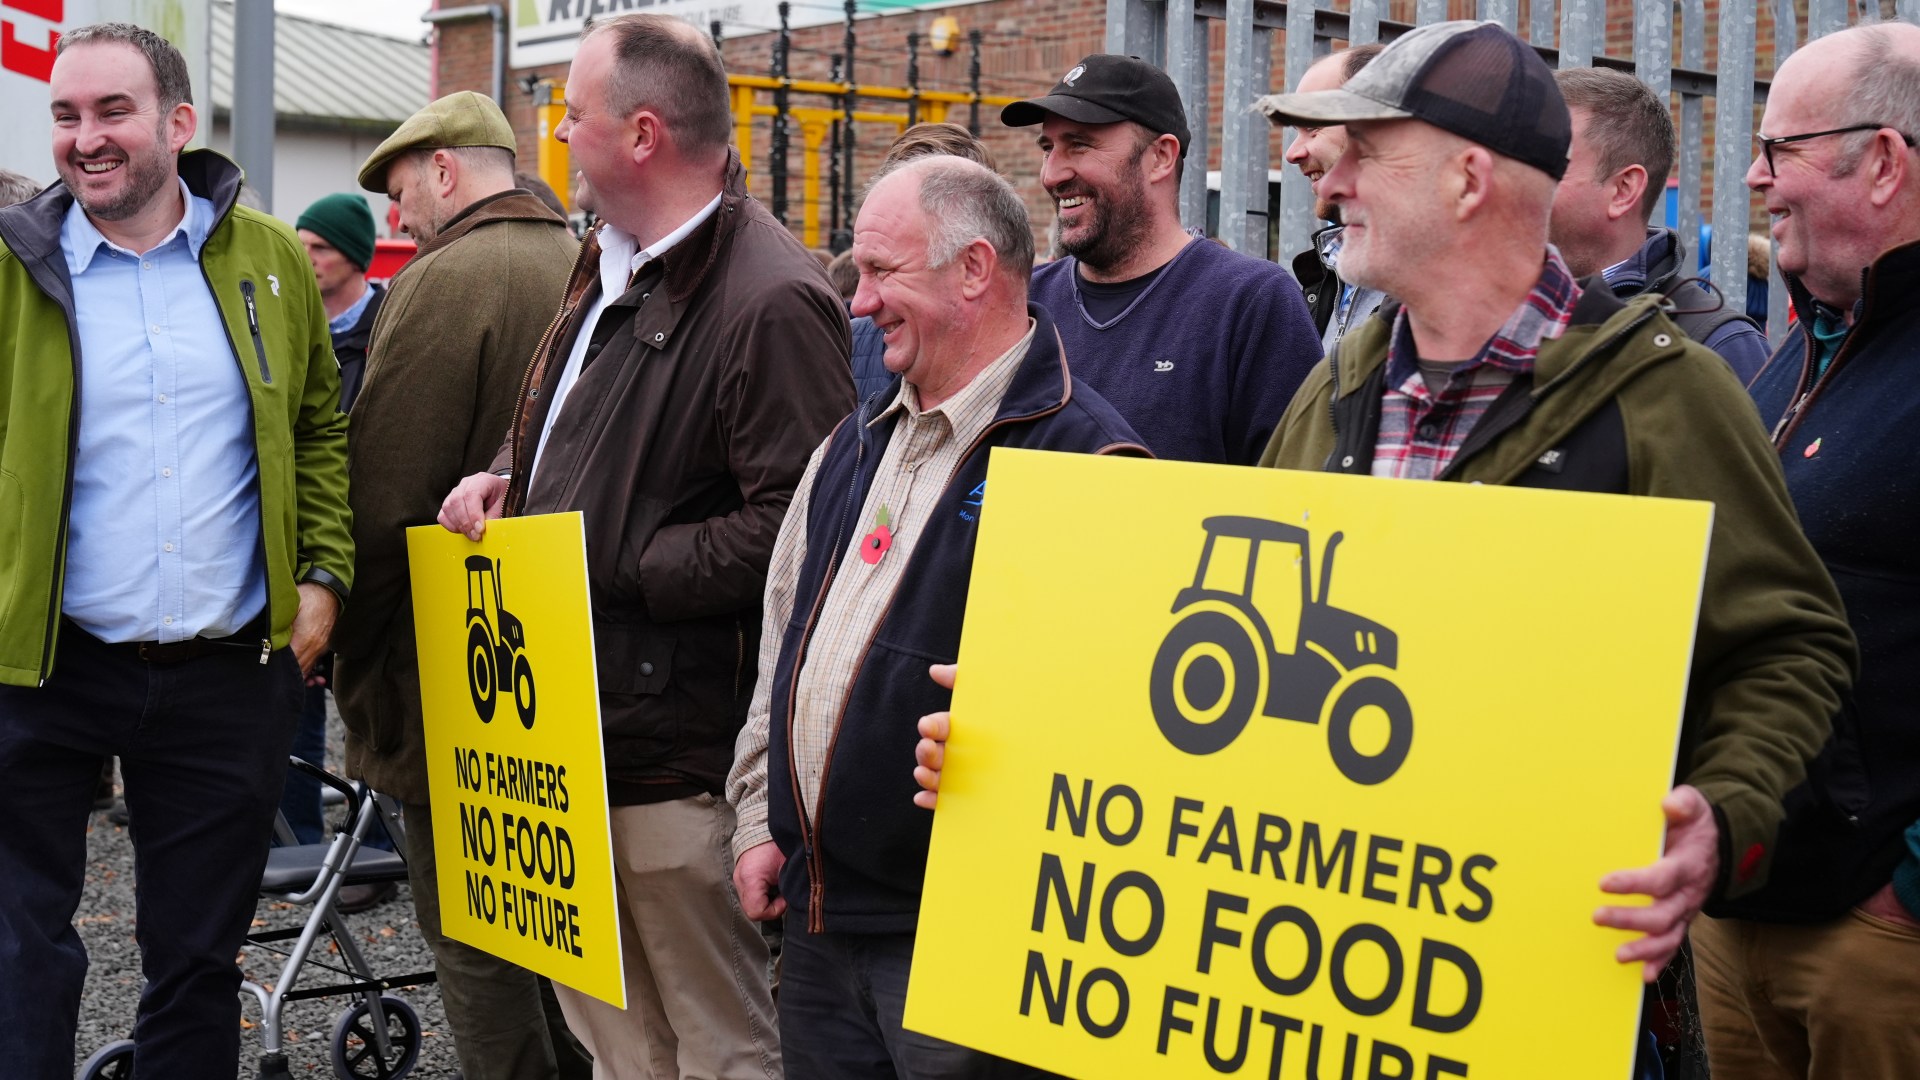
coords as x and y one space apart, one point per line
974 499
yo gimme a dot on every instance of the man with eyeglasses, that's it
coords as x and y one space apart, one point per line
1815 974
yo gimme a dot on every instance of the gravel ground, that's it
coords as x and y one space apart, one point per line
388 935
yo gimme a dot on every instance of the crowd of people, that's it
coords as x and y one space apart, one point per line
781 483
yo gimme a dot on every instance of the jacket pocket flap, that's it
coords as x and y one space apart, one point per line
632 659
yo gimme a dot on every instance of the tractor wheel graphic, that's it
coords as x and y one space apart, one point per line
1370 691
1206 682
483 680
523 689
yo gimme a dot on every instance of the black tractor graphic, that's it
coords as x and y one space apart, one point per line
496 644
1250 636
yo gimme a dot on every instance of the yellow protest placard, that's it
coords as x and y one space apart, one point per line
1288 775
515 764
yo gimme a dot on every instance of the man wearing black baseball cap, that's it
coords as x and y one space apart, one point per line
1492 365
1138 303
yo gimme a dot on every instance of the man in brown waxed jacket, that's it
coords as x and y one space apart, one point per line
699 357
444 363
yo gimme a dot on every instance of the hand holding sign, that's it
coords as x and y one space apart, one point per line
930 755
1192 829
1678 882
520 834
468 506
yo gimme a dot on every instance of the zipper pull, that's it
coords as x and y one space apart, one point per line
266 649
253 315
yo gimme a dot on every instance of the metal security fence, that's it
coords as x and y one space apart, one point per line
1174 34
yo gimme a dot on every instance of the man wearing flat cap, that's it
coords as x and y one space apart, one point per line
1493 365
443 369
1142 303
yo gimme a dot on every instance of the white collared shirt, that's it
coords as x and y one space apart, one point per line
621 256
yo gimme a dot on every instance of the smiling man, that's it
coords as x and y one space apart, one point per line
1813 976
173 512
1492 365
1336 304
944 252
1200 348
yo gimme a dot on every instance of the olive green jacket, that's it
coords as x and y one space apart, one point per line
449 351
1634 407
293 386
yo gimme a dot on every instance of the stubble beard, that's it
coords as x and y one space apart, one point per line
1120 224
145 176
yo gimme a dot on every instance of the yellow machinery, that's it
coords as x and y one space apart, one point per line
815 123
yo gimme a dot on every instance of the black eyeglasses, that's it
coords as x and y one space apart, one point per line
1767 145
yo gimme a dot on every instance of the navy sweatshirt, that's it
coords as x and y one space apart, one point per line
1204 362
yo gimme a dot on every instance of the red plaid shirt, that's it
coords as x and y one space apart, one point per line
1420 431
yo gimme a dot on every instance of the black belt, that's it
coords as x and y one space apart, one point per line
251 636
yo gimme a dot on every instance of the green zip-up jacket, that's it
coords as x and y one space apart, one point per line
1623 402
264 286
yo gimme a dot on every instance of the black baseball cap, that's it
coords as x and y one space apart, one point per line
1474 79
1106 89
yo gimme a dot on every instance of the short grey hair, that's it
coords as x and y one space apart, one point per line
15 188
966 201
661 63
1886 91
169 67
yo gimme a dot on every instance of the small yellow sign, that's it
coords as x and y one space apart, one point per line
515 764
1288 775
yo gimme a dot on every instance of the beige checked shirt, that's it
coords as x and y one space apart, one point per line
920 460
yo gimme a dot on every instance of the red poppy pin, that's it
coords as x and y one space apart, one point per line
875 544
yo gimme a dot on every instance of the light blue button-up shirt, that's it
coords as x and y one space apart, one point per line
163 538
350 318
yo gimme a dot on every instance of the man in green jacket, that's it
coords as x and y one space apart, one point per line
1494 367
174 545
443 371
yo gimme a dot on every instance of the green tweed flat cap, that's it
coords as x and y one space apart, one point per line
462 119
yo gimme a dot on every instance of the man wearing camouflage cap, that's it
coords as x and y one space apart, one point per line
1493 366
442 372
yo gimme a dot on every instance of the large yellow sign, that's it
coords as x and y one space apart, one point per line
515 764
1288 775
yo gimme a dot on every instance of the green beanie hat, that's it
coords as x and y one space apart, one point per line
345 222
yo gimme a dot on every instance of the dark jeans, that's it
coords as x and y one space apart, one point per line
202 747
841 1000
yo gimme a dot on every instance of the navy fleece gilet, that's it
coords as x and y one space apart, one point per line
863 872
1851 467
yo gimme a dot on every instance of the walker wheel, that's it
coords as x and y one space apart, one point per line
113 1061
356 1051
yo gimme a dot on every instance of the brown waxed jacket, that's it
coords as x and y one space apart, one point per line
717 373
449 350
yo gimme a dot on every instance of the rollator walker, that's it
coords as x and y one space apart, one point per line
378 1036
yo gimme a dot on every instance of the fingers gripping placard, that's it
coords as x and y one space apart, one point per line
514 756
1293 775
